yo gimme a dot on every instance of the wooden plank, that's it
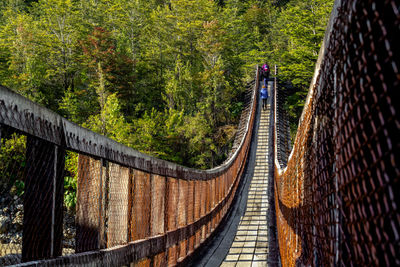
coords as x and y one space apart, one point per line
172 201
182 214
204 208
141 206
141 263
172 204
88 204
190 213
160 260
197 208
158 191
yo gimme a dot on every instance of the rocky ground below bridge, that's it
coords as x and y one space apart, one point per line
11 228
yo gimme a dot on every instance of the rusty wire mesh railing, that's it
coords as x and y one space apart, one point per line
130 208
337 202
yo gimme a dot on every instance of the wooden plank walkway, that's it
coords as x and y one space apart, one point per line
251 243
249 237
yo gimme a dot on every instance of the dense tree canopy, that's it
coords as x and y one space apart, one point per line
164 77
298 33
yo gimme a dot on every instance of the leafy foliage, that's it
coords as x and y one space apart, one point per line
164 77
12 161
70 180
299 28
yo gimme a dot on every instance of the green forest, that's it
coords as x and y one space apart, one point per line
165 77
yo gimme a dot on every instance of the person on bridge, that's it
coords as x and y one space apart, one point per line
264 96
265 71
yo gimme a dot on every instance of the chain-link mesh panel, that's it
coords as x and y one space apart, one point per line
158 193
43 206
208 205
141 206
118 220
182 214
31 202
336 202
190 213
12 186
172 220
198 195
89 203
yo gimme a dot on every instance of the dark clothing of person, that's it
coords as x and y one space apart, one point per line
265 71
264 103
264 77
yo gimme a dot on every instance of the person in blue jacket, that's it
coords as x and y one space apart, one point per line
264 97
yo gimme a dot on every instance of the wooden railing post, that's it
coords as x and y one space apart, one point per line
43 200
103 202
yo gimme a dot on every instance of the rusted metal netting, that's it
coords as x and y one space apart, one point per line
130 208
336 199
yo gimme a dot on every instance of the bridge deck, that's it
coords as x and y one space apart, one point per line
249 238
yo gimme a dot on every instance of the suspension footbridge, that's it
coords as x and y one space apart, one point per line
331 200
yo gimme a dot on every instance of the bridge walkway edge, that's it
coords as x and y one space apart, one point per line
262 247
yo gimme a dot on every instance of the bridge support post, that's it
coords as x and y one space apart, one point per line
43 200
